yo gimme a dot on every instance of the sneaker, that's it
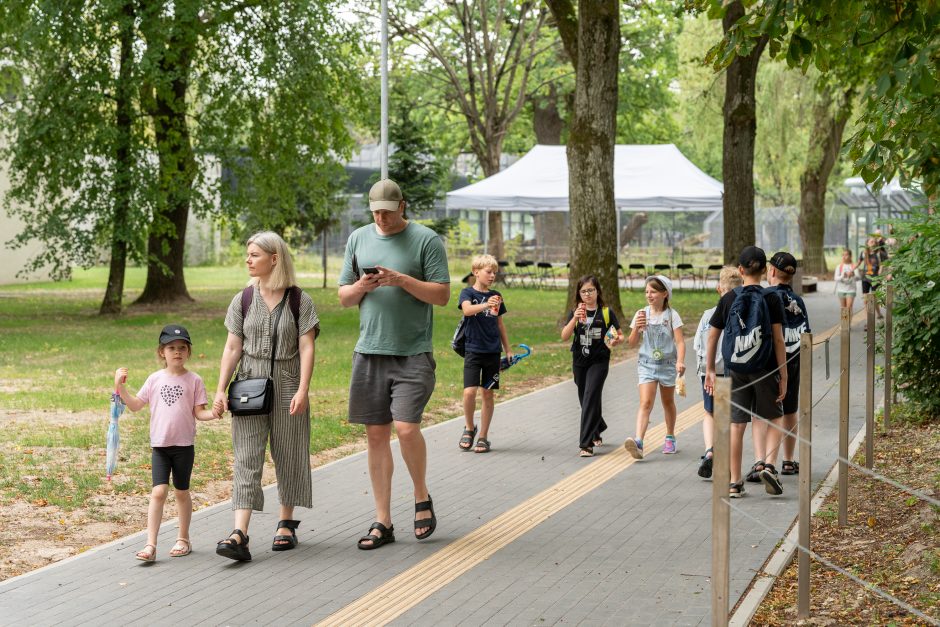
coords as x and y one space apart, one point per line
736 490
705 468
771 481
669 446
634 447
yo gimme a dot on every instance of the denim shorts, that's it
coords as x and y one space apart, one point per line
662 372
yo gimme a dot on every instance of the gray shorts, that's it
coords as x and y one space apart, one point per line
759 397
388 387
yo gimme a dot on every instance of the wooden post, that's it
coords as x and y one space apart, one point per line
889 303
721 511
805 430
870 384
844 360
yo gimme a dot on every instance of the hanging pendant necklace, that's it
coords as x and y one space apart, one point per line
657 351
586 336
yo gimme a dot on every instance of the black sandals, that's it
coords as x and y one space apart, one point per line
431 522
232 549
286 543
754 475
386 536
482 446
466 440
705 468
736 490
789 467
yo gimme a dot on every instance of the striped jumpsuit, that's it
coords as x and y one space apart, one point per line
289 435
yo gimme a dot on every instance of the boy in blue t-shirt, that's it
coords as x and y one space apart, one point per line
485 333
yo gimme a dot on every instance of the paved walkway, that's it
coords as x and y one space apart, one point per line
529 534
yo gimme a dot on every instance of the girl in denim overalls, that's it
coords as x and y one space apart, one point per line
657 329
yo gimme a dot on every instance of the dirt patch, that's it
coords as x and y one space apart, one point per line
54 418
892 540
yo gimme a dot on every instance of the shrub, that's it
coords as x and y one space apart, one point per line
915 273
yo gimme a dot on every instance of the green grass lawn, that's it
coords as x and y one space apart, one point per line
58 354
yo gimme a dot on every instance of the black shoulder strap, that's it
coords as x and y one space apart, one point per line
247 295
294 302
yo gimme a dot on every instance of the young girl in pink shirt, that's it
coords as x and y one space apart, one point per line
177 398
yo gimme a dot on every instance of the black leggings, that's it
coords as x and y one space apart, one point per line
178 459
590 381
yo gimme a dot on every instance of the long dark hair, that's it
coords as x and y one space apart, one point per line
589 278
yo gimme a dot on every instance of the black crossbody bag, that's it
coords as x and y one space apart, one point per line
252 397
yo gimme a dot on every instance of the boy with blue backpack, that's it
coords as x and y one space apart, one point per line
795 323
754 354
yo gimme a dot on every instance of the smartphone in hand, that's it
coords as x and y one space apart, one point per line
370 270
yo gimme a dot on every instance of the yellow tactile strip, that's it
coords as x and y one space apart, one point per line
406 590
409 588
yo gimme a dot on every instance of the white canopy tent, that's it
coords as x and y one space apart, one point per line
646 177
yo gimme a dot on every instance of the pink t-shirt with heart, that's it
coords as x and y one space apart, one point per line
172 399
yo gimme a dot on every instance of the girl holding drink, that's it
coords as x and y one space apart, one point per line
595 329
657 329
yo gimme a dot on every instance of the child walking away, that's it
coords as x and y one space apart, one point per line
845 280
753 351
485 332
595 329
177 397
795 323
727 281
657 328
870 262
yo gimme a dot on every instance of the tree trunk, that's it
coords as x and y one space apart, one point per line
546 119
825 141
114 293
740 128
593 240
323 234
547 124
177 169
489 161
633 229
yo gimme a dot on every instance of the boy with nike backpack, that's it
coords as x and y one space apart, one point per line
754 355
795 323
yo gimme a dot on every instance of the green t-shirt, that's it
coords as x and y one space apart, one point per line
392 321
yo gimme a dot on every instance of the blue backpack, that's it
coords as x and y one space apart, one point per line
748 341
795 320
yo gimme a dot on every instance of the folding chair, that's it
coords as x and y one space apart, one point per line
524 272
712 272
636 271
663 268
502 273
546 274
685 271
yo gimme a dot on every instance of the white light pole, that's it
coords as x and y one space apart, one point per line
383 145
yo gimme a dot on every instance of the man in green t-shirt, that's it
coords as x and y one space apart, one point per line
394 270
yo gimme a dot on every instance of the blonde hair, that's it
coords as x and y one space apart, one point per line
729 278
282 275
484 261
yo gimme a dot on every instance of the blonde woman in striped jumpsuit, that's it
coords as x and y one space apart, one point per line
288 425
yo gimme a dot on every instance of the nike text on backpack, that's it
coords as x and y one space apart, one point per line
795 322
747 343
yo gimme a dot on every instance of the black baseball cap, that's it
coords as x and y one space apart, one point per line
785 262
174 332
752 256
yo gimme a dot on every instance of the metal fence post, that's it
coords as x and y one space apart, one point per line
721 511
844 359
805 430
889 303
870 383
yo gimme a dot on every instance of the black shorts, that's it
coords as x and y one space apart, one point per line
791 403
178 459
481 370
867 286
758 398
